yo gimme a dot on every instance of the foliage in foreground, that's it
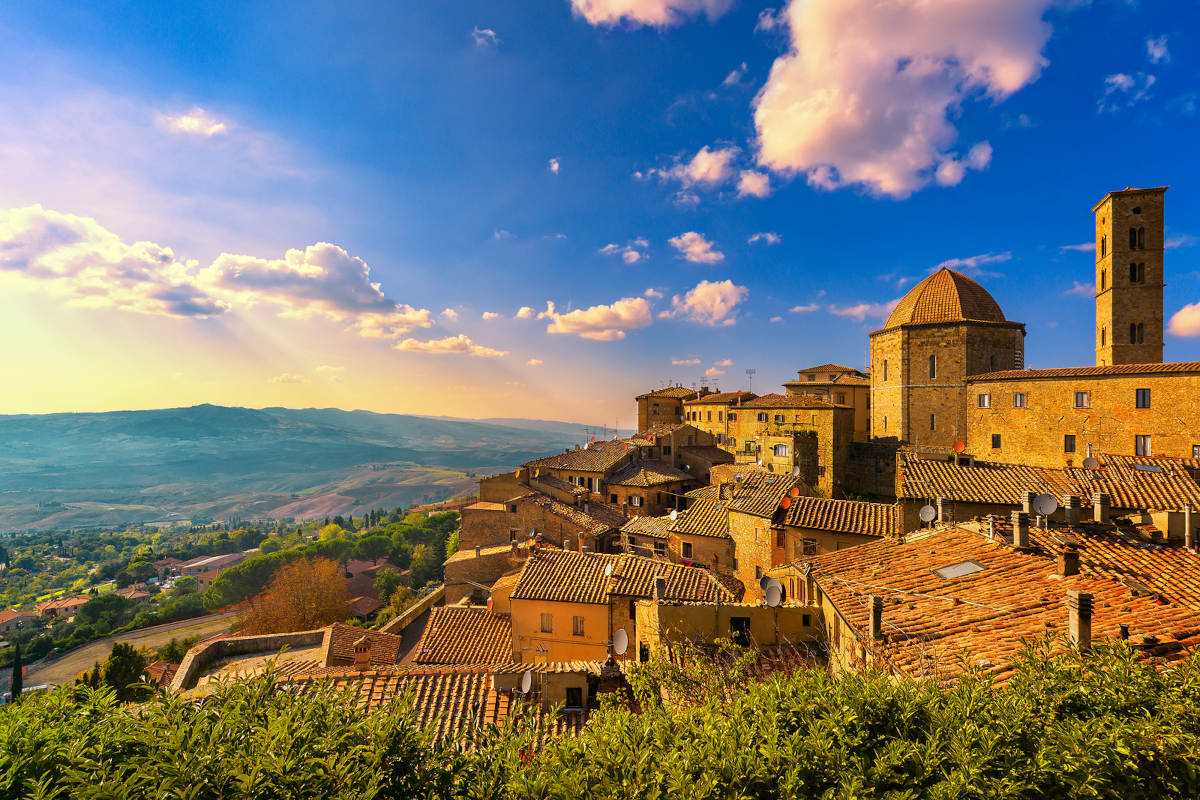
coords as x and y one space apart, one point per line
1105 725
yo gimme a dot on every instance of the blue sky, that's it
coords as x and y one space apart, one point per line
630 171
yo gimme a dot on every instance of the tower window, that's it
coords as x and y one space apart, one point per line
1132 333
1103 246
1083 400
885 369
1020 399
1143 398
1103 336
995 441
1137 273
1141 445
1133 238
933 422
985 401
1141 238
1103 279
1069 443
932 367
1137 209
1141 330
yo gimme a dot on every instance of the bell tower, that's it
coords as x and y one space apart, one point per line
1129 277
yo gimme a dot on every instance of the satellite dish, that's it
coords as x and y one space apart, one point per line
1091 463
608 570
1045 504
959 447
764 582
532 533
774 596
526 682
620 642
795 492
795 472
927 513
673 515
785 503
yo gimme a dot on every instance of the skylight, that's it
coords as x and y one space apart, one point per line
959 570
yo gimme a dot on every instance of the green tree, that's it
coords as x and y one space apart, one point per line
18 680
371 548
124 670
386 583
422 565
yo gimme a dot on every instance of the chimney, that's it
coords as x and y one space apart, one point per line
585 506
941 510
567 543
876 617
660 588
1072 506
362 654
1123 629
991 526
1189 533
477 550
1100 507
1068 562
1079 624
1020 526
582 548
1027 502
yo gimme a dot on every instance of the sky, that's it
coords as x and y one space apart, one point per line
543 209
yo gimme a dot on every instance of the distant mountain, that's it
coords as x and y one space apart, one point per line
217 461
580 430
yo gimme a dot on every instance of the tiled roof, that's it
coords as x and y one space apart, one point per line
568 577
1169 489
721 398
680 392
338 647
363 606
6 616
596 457
554 482
458 635
703 493
600 517
1087 372
452 701
647 473
662 429
705 517
839 380
654 527
827 368
64 603
931 622
162 672
945 296
711 453
790 401
760 493
844 516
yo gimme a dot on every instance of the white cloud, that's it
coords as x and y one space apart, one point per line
450 314
79 260
862 311
725 362
1185 321
709 303
196 122
974 265
500 233
1156 50
770 20
735 77
1179 240
951 171
450 345
1122 91
331 373
484 37
491 315
766 237
685 199
631 253
555 164
707 168
653 294
864 93
684 362
661 13
524 312
713 372
1082 247
804 309
752 183
1081 289
775 319
534 362
289 377
696 249
602 323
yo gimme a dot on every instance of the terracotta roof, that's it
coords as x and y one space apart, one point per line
654 527
721 398
364 606
711 453
11 614
838 380
703 493
1087 372
791 401
568 577
596 457
600 517
1168 489
844 516
452 701
828 368
459 635
760 493
679 392
1130 190
162 672
653 432
557 483
339 642
647 473
945 296
705 517
64 603
931 622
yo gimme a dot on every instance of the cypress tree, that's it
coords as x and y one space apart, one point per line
17 678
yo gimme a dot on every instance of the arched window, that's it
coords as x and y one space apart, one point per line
1140 332
1103 336
992 362
1103 279
932 367
1141 238
1133 237
1103 246
1132 333
1133 272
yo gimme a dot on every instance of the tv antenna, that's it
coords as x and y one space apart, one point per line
750 373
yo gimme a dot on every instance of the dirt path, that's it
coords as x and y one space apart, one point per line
76 661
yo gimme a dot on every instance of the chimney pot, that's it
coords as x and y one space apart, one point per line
1124 630
478 549
362 654
1020 526
1027 502
1189 533
941 511
1071 508
1079 618
876 617
1101 506
660 588
1068 562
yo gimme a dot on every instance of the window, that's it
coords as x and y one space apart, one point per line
687 549
1143 398
1103 279
666 449
733 416
1132 333
959 570
758 573
1140 332
547 623
762 416
1141 239
985 401
612 498
709 417
720 438
660 548
833 377
1083 399
574 697
1196 451
577 626
732 442
780 539
806 620
840 398
1137 209
632 608
1137 273
720 416
1133 238
1103 336
1103 246
933 422
1069 443
749 447
781 450
635 500
739 630
932 367
885 422
779 419
995 441
1141 445
1020 400
812 377
885 369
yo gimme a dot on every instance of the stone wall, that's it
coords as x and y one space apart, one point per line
1119 301
871 468
465 568
205 654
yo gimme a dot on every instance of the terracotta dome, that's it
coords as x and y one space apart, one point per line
945 296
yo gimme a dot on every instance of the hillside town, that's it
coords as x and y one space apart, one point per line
928 515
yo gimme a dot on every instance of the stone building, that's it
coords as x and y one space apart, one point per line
844 386
1129 277
717 414
663 406
785 432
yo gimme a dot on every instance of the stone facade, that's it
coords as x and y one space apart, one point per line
844 386
775 421
1129 277
717 415
662 406
1109 421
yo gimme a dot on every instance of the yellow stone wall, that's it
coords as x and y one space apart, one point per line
533 646
1120 302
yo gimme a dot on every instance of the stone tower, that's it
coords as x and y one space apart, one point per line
946 328
1129 277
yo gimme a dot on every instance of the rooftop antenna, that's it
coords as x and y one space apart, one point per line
750 373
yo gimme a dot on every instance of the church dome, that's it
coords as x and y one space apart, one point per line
945 296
